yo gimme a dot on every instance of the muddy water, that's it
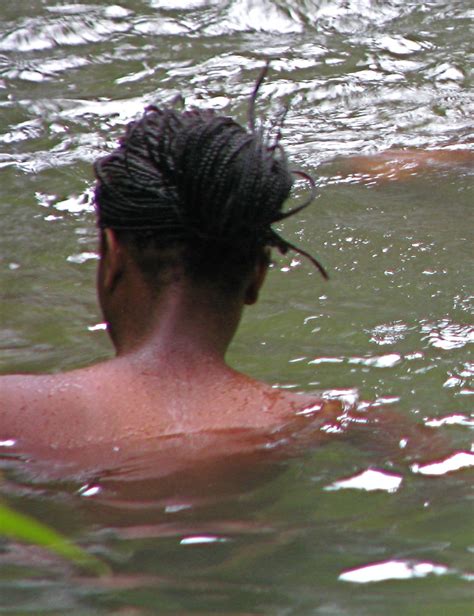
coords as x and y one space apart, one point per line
334 530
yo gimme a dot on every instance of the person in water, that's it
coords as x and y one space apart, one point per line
185 207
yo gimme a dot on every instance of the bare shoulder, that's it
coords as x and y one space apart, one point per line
19 389
286 404
16 390
31 405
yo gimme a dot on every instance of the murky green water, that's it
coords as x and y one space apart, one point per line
393 322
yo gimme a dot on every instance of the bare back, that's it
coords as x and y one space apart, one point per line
116 401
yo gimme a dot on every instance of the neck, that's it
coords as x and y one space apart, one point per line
183 323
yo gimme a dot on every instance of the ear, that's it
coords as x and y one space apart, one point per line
258 278
112 259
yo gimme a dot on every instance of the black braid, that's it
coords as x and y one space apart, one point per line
201 181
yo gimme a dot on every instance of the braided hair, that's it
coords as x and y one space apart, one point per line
199 181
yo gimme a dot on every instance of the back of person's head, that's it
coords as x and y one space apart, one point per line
199 183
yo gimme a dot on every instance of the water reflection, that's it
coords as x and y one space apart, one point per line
455 462
369 480
381 111
393 570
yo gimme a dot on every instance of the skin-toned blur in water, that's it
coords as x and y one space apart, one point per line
380 112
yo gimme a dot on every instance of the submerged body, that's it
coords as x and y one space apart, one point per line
185 207
402 165
169 375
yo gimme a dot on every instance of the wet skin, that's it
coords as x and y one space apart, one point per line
403 165
169 375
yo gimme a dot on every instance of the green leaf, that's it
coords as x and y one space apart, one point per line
21 527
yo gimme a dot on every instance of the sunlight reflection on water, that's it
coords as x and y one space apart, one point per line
455 462
392 570
369 480
360 77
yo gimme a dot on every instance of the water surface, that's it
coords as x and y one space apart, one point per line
339 529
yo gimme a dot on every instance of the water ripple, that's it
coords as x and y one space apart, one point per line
447 335
255 15
35 35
